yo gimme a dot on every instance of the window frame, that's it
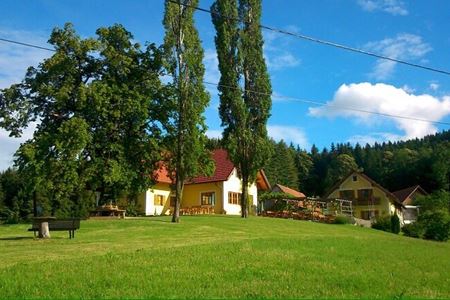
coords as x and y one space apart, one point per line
212 199
157 197
234 198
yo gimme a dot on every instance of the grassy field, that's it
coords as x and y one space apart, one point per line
220 257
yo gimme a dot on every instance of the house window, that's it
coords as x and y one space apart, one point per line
234 198
159 200
347 194
355 178
368 214
365 194
208 198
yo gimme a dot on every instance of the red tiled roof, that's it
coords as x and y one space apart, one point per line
223 169
290 191
405 193
162 174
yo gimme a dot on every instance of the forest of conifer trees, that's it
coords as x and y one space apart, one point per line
393 165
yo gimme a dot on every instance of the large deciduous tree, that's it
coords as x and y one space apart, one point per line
244 109
96 104
187 155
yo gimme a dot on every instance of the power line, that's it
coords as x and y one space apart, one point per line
332 105
323 42
26 44
275 96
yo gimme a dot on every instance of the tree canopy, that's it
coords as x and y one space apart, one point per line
97 103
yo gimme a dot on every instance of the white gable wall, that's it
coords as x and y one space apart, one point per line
150 208
233 184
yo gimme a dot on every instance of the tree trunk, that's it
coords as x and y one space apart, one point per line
178 194
244 198
44 232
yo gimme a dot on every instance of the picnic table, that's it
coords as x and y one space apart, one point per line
108 210
42 225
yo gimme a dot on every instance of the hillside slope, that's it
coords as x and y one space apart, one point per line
220 256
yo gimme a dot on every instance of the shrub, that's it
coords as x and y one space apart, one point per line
9 216
415 230
382 223
436 225
342 219
395 224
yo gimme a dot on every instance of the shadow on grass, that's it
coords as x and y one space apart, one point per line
16 238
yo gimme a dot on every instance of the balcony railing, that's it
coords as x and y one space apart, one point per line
366 202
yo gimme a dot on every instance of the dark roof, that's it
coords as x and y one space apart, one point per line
403 194
289 191
373 182
223 169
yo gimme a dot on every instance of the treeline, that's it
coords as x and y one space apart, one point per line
393 165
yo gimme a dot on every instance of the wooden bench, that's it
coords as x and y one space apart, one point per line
58 225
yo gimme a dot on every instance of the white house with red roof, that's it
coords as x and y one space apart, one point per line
219 193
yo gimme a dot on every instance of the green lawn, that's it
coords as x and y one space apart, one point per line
220 257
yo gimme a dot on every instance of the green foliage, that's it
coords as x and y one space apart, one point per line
342 219
186 128
281 167
275 196
99 102
382 223
436 224
439 200
395 224
415 230
244 110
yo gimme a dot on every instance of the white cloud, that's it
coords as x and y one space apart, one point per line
386 99
403 47
214 133
277 51
434 86
10 145
393 7
14 62
211 63
374 137
15 59
288 134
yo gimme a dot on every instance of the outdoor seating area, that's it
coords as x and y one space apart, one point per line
108 210
309 209
197 210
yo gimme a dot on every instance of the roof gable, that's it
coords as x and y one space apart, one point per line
391 196
406 193
288 190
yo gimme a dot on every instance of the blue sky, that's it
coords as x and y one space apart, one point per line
415 31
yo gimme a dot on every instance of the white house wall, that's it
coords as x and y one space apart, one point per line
233 184
150 208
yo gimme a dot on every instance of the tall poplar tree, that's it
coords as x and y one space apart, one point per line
244 109
187 155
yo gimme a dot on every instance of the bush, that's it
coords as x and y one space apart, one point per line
9 216
395 224
415 230
342 219
382 223
436 225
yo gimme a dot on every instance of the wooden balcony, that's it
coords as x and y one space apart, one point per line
366 202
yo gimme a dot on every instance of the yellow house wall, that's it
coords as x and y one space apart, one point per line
192 194
384 208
